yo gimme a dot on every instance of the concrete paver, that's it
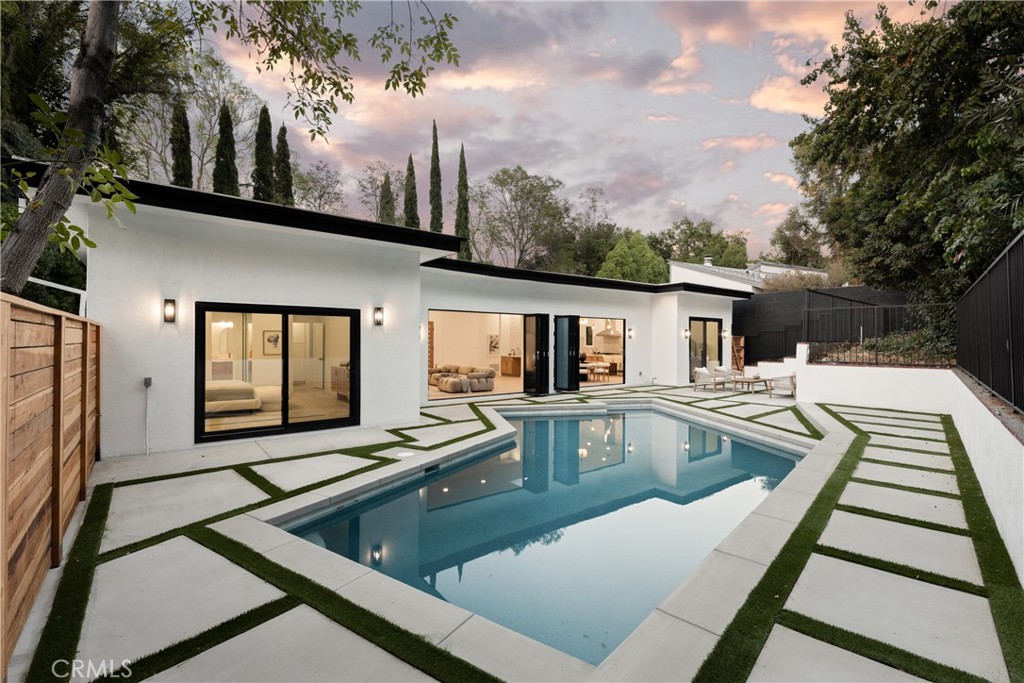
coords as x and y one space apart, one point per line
714 592
935 551
785 420
920 506
804 481
941 624
937 462
457 412
430 436
758 538
859 412
866 422
300 645
293 474
319 564
143 510
746 410
662 648
791 657
155 597
328 440
904 476
785 504
928 445
252 532
912 432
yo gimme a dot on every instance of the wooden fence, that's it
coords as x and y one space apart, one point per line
49 364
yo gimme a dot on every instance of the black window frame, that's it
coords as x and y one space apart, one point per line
199 357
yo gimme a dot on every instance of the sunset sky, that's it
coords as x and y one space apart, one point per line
674 109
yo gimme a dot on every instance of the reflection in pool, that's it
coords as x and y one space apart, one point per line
571 537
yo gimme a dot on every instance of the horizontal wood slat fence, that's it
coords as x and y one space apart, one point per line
49 364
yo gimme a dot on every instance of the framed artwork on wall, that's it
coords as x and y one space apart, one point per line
590 336
492 345
271 342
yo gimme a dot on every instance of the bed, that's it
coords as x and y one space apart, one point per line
230 395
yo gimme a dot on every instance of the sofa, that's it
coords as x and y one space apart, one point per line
454 379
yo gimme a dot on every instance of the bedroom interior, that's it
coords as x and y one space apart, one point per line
244 360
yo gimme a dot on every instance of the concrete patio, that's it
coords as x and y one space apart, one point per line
154 587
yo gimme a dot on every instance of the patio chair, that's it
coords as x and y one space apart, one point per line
785 383
703 377
728 374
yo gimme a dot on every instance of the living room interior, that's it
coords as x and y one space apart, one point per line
478 343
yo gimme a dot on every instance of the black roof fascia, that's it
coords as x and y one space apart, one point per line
489 270
224 206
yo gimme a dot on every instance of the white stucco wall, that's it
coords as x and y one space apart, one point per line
189 257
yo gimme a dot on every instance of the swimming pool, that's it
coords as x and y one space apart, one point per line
571 537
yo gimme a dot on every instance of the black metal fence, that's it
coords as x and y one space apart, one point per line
990 328
907 336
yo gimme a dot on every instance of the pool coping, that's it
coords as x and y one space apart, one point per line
513 656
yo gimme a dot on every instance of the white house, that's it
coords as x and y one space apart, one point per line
229 305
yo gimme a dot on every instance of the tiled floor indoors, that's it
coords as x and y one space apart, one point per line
154 585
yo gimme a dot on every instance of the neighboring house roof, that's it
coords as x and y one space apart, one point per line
786 266
736 274
489 270
225 206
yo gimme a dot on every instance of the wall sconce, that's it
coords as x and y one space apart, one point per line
686 333
629 447
686 445
377 555
630 332
170 310
725 333
378 316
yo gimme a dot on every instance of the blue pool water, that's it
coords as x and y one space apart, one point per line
571 537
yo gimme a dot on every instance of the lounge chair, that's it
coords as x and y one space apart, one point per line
785 383
704 377
728 374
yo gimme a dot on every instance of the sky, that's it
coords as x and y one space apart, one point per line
674 109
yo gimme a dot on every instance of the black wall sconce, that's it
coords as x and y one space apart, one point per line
170 310
378 316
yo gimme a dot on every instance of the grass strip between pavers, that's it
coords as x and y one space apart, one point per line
904 487
1006 598
906 465
884 653
934 526
152 664
259 481
407 646
903 570
59 639
736 652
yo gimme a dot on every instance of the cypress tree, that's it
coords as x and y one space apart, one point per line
387 201
436 216
283 192
462 208
225 171
263 169
181 147
412 212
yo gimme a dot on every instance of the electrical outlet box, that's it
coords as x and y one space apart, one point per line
147 382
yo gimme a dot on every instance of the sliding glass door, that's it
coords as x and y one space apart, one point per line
274 369
536 336
567 353
705 343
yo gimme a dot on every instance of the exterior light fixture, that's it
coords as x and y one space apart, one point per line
629 447
170 310
686 445
378 316
377 555
686 333
630 332
725 334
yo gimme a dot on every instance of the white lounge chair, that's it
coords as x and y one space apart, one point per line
728 374
703 377
786 383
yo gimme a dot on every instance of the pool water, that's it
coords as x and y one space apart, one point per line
573 536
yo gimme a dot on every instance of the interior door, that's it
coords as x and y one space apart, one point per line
536 334
567 353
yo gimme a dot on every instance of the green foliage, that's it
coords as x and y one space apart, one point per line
181 147
387 201
689 242
798 241
412 211
370 187
318 188
225 170
795 282
62 268
436 201
263 168
633 259
284 192
462 208
916 168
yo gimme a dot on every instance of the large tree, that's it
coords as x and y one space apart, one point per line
515 209
798 241
412 210
633 259
304 39
225 171
318 188
690 242
916 168
462 208
181 147
370 187
436 198
263 159
387 201
284 192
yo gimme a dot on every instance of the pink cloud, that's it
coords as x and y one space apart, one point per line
771 210
662 118
744 144
785 95
782 178
727 166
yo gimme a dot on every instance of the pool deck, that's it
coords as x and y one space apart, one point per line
154 585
